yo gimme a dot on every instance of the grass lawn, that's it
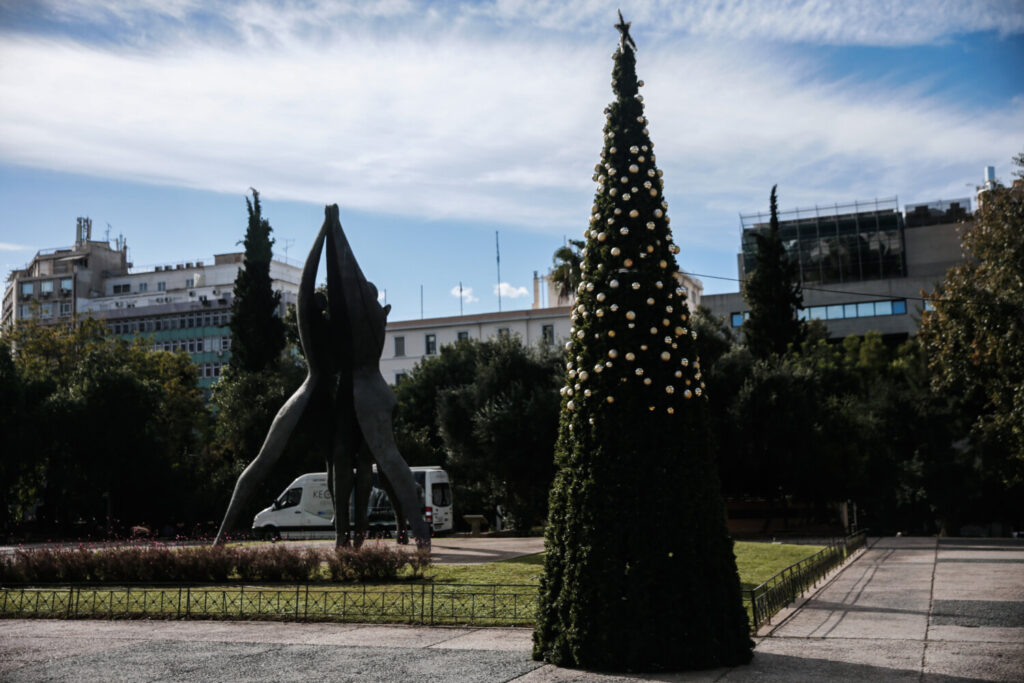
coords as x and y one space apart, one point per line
756 563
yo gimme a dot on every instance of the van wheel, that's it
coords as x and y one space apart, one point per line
270 533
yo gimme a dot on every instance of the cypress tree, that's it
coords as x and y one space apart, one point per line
257 332
773 293
639 572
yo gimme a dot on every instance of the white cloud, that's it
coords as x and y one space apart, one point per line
466 293
7 246
830 22
505 290
323 102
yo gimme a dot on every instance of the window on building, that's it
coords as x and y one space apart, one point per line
503 332
190 283
65 284
430 344
46 287
24 311
399 346
122 288
463 335
225 343
161 286
399 377
899 307
143 286
65 308
738 318
46 310
547 333
28 288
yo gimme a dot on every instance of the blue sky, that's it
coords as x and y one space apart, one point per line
433 125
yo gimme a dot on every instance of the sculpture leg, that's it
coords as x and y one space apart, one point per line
273 446
345 456
374 404
363 486
401 526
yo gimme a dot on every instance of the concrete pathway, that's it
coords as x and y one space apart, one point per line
907 609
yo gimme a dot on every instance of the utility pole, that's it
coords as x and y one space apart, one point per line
497 249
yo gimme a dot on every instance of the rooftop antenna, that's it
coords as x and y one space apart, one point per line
287 244
108 233
460 297
497 248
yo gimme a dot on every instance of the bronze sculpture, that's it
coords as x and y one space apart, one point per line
342 336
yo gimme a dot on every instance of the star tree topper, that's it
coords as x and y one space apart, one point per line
625 38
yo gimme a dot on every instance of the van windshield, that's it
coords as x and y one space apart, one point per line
290 498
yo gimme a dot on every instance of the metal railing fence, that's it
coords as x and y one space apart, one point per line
421 604
413 603
766 600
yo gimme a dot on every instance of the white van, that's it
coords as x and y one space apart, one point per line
304 509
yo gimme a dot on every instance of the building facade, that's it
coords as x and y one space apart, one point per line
408 342
862 266
183 306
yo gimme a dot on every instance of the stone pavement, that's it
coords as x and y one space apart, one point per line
922 609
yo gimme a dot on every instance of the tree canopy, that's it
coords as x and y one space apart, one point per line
975 334
257 331
772 291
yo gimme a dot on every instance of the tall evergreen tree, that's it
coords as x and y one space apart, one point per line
773 293
257 332
639 572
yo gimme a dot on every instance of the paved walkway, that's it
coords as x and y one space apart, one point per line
907 609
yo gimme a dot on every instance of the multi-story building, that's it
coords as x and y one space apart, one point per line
862 266
184 306
55 285
407 342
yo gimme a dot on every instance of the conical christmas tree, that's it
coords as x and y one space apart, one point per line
640 572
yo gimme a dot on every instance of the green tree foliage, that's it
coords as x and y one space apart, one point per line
257 332
773 293
499 429
566 273
416 425
119 427
975 336
487 411
639 572
22 420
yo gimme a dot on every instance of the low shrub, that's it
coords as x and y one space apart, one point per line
159 564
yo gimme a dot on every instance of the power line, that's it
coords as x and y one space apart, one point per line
827 290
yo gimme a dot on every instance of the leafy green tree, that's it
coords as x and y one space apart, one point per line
773 293
22 420
416 418
975 336
257 332
635 510
499 429
88 387
566 273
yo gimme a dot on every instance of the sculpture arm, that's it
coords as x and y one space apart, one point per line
307 310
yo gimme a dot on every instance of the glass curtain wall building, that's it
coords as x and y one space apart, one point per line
836 244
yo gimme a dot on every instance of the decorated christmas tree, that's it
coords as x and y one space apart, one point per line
640 572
